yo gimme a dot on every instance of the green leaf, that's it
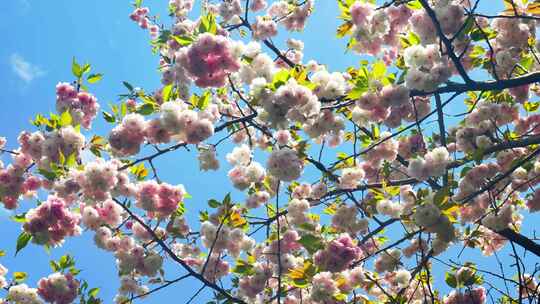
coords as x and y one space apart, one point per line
71 160
181 209
204 100
109 117
214 203
242 267
167 92
65 119
311 243
47 174
19 218
76 68
415 5
450 279
2 253
139 171
20 277
22 241
93 78
280 78
93 292
227 199
413 38
86 68
478 155
183 40
146 109
379 69
54 266
441 196
300 283
128 86
208 24
531 106
66 261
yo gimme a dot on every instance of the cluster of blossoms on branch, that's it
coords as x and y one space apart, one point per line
301 227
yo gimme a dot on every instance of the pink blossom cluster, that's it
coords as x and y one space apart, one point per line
351 177
3 273
221 238
375 28
389 208
470 296
245 171
329 85
412 145
345 219
324 287
160 200
176 122
264 27
178 226
285 165
388 260
140 16
257 199
51 222
44 148
533 203
14 181
529 125
187 125
294 19
482 121
23 294
130 256
449 14
258 5
293 102
58 288
82 106
391 105
208 159
216 268
338 255
326 126
386 150
209 60
427 69
474 209
498 220
228 10
181 7
126 138
297 211
259 70
431 165
251 286
129 285
475 179
97 180
490 242
511 39
106 213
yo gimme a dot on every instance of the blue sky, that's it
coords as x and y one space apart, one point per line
40 39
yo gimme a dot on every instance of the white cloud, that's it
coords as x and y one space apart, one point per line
24 69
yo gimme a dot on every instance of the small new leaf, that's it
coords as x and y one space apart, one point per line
22 241
93 78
